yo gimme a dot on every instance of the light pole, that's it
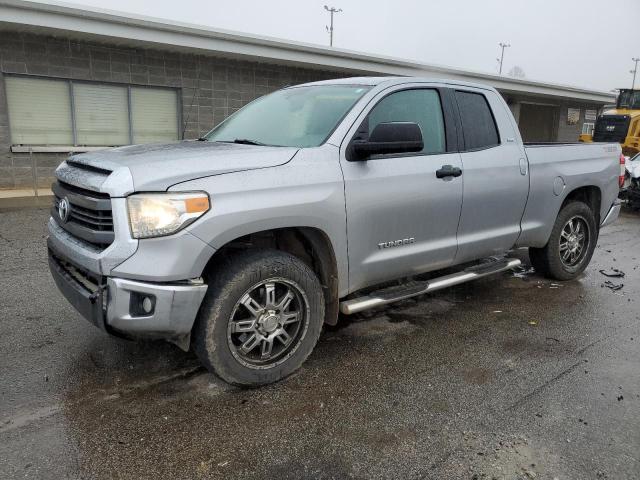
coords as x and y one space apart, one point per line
634 71
501 59
331 11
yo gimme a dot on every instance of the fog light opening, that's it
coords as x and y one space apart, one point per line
142 304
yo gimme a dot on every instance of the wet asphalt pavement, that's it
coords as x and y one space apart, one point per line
508 377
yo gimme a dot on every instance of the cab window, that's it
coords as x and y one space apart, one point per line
421 106
478 124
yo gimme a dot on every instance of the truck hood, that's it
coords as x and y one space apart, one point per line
159 166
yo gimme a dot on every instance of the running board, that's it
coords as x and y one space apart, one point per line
415 288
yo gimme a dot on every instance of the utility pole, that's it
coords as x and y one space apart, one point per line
634 71
501 59
331 10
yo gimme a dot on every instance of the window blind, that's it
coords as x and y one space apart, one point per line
51 112
102 116
154 114
39 111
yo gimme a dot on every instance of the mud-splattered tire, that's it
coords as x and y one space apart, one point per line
571 244
260 319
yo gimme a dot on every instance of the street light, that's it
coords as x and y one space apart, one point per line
501 59
634 71
331 10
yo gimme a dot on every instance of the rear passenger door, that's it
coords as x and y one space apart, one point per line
401 218
495 178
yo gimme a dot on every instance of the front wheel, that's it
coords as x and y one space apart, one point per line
260 319
571 244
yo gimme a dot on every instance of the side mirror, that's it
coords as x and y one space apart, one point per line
389 137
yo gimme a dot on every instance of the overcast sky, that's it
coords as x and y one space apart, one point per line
574 42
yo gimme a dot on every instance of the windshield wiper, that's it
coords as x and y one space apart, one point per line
203 139
246 141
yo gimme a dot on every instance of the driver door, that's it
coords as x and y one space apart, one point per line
401 218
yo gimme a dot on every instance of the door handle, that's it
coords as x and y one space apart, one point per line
524 166
448 171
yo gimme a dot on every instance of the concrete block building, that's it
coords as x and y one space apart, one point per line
74 80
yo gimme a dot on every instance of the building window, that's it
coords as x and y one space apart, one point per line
51 112
154 114
587 128
39 111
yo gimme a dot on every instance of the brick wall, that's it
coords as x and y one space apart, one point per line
211 88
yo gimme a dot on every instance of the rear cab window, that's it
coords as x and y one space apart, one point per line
478 123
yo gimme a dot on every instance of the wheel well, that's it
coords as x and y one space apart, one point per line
590 195
310 245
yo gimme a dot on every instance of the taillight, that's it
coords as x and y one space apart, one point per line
622 171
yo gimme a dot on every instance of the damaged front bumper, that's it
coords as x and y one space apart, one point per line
126 307
631 194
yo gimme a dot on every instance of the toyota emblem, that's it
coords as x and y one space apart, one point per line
64 208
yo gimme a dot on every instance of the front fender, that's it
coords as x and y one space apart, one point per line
306 192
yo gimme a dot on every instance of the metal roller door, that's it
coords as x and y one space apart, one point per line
538 123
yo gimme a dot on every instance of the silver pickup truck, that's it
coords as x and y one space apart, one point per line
328 197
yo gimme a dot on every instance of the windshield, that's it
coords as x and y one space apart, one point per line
629 99
295 117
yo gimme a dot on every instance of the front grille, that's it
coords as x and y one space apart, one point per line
89 215
611 128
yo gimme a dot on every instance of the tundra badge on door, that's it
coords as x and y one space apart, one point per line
396 243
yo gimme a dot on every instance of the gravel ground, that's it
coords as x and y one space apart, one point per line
509 377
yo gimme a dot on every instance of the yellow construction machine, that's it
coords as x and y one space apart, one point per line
620 124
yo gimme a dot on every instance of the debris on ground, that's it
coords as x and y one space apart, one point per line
613 273
533 322
613 286
523 272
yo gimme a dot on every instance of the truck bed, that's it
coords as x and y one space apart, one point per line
556 168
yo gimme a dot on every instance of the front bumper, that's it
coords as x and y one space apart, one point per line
175 307
114 304
612 215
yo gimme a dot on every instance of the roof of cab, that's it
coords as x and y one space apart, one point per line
393 80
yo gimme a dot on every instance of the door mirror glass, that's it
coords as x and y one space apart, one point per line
390 137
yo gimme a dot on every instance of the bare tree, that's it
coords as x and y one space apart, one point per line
516 72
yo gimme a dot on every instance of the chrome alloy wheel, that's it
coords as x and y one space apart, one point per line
574 239
268 323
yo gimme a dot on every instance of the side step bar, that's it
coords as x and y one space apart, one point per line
412 289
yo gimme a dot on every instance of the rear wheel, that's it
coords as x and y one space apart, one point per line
260 319
571 244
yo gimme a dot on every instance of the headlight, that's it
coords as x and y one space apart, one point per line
158 214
